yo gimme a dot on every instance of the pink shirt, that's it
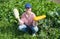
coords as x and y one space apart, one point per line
28 20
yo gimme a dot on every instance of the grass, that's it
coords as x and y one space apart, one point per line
8 24
11 32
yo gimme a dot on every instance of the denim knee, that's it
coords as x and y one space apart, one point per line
21 27
34 29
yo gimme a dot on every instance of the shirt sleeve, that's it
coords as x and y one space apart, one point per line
34 22
34 15
22 18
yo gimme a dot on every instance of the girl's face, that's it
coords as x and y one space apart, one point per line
28 10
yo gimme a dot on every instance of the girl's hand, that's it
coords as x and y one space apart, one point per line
35 23
20 22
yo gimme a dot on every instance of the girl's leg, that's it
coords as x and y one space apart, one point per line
23 28
34 29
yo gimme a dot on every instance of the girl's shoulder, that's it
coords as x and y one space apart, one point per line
24 13
32 13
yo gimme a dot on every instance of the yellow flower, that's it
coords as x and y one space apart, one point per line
37 18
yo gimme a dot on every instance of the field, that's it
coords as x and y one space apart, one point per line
49 28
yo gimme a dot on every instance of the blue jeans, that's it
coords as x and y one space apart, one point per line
25 28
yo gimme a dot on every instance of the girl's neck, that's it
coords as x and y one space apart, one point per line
28 13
